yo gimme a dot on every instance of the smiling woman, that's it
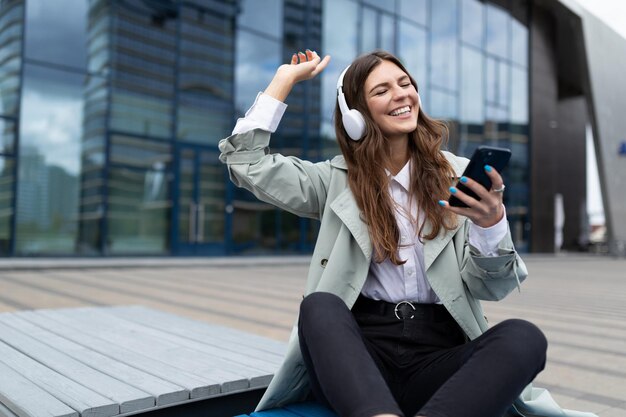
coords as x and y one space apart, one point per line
391 324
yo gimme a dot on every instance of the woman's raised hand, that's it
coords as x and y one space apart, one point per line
303 66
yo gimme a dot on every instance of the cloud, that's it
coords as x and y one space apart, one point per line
53 125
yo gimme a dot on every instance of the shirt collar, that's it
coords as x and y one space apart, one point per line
403 177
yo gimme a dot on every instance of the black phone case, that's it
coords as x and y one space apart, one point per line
483 155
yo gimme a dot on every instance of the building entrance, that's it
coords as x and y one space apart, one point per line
199 214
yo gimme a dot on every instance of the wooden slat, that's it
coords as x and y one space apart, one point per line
163 391
181 357
160 320
259 360
197 386
26 399
125 397
78 397
242 343
188 355
5 412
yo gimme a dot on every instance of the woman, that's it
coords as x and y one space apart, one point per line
391 324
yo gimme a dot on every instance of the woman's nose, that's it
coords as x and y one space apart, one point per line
400 93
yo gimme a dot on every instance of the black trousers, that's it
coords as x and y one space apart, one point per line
367 361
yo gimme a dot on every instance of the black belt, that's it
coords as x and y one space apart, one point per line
404 310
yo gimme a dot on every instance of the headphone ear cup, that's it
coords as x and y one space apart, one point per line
354 123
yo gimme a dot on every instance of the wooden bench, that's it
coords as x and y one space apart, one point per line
110 361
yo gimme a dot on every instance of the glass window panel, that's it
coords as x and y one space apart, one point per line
7 136
291 232
257 60
387 33
342 46
141 114
415 10
211 198
9 86
470 137
264 16
444 44
369 30
205 82
388 5
443 105
144 58
139 153
50 164
497 31
503 84
412 45
491 80
519 43
138 210
56 32
519 96
472 23
10 55
99 39
472 100
186 187
494 113
6 203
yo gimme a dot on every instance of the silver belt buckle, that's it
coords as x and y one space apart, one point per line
397 308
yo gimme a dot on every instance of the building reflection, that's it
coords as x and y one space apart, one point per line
120 106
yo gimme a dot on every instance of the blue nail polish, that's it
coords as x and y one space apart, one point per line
463 180
452 190
488 168
442 203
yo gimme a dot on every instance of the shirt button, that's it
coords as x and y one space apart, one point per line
410 272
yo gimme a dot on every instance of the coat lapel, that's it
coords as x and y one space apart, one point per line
346 208
432 248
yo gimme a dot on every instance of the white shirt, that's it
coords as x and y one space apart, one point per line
387 281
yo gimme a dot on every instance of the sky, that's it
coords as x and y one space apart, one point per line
613 12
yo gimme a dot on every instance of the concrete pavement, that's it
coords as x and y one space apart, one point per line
578 301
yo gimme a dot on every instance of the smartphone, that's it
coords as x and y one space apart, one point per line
483 155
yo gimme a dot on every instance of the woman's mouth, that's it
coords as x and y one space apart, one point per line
400 111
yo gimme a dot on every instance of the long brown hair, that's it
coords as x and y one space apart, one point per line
367 159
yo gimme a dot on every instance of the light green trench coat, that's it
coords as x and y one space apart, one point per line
342 255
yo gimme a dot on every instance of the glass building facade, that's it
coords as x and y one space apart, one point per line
111 111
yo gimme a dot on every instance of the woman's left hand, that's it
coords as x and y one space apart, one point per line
485 212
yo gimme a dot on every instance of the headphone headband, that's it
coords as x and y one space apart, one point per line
341 98
353 121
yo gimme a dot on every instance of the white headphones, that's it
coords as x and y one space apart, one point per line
352 119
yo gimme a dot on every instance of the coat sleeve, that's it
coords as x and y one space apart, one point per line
289 183
492 277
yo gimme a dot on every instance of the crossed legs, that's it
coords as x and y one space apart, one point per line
360 375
